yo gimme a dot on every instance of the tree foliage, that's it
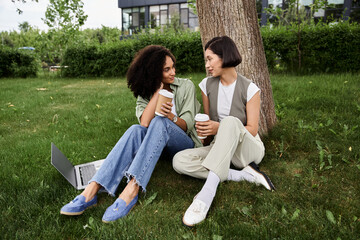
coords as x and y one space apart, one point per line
192 5
22 1
67 16
24 26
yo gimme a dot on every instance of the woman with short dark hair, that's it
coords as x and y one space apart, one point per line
233 104
138 150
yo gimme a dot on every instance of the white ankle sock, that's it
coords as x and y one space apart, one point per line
237 176
208 191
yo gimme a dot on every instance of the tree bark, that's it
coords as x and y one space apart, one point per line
237 19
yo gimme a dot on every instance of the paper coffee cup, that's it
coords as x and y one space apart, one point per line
164 97
200 117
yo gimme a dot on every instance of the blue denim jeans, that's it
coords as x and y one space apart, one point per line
137 152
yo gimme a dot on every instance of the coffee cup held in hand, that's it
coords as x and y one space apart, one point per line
200 117
164 97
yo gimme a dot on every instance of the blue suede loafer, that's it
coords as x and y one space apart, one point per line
118 210
78 206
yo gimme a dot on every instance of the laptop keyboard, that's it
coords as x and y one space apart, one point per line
86 173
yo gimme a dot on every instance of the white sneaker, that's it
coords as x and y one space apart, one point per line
260 177
196 213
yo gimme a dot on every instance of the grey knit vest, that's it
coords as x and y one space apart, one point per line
238 104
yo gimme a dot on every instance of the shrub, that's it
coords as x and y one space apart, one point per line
18 63
81 61
113 59
187 48
331 48
323 48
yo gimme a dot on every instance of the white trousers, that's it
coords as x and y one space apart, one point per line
232 144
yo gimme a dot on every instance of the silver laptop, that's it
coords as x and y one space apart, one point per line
78 175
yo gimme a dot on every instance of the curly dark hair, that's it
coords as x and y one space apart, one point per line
145 73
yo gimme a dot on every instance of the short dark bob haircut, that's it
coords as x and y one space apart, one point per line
145 73
226 49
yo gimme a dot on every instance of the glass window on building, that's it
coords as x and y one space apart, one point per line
163 14
335 2
306 2
193 20
275 3
163 17
184 14
126 19
184 17
335 10
154 16
174 11
133 19
142 17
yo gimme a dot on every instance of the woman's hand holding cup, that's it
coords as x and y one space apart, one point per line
166 110
164 103
204 126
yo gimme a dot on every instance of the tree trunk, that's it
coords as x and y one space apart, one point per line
237 19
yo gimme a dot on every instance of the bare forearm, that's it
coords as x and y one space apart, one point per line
149 111
253 114
252 130
180 122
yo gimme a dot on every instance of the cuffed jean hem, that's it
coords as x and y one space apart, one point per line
130 176
119 159
164 135
137 152
103 188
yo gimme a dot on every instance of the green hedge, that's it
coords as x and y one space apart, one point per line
323 48
18 63
113 59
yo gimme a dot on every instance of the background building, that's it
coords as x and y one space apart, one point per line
334 9
139 14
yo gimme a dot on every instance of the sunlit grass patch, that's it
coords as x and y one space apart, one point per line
312 157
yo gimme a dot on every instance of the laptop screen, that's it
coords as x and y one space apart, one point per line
62 164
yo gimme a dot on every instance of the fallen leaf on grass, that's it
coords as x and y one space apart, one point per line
295 214
150 199
330 217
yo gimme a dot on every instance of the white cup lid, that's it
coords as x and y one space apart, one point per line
200 117
166 93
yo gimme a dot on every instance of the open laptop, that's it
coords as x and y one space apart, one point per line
78 175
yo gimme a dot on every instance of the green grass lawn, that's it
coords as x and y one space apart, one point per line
312 156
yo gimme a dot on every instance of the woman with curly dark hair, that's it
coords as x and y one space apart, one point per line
138 150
